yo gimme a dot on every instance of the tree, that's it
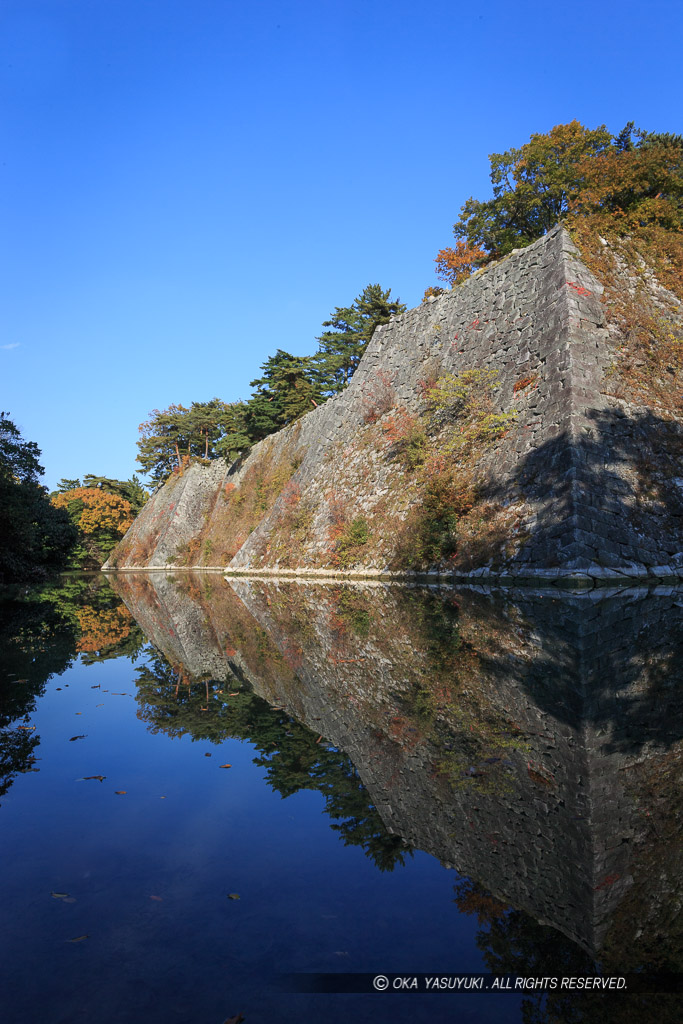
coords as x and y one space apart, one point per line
287 390
454 265
532 188
131 490
161 440
175 435
101 519
627 185
236 440
340 349
35 538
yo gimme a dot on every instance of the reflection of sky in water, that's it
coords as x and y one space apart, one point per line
150 876
307 902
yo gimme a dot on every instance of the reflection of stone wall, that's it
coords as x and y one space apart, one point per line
510 748
579 479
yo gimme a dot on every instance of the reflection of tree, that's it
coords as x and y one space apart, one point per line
102 624
40 637
36 643
293 757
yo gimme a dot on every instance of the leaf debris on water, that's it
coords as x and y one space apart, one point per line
77 737
86 778
79 938
159 899
233 895
120 792
226 766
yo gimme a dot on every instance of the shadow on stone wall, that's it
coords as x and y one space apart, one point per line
611 496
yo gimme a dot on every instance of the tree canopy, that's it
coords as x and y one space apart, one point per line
177 434
35 537
630 182
340 349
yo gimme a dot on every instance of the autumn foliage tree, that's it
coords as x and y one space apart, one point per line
454 265
628 185
101 519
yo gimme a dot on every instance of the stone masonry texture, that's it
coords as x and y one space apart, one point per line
572 469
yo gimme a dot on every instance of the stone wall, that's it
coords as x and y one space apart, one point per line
581 479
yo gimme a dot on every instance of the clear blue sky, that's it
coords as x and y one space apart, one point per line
188 185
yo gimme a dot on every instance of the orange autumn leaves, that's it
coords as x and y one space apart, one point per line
454 265
101 628
95 509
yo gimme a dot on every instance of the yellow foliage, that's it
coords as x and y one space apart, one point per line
94 509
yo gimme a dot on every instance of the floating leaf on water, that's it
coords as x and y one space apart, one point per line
96 687
79 938
226 766
21 680
237 1019
99 705
78 712
120 792
233 895
77 738
59 895
207 755
86 778
58 687
162 797
30 728
159 899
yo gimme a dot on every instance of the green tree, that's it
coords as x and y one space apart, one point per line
173 436
35 538
236 439
287 390
162 438
341 348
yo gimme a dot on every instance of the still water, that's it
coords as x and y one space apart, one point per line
212 790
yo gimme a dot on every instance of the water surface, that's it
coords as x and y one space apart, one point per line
417 781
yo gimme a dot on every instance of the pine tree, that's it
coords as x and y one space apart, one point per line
340 350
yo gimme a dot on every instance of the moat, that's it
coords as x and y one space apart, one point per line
210 789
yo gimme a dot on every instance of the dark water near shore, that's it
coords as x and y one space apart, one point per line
208 789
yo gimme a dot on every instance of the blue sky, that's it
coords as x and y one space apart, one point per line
188 186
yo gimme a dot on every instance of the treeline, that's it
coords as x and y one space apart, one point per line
289 387
75 527
35 537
